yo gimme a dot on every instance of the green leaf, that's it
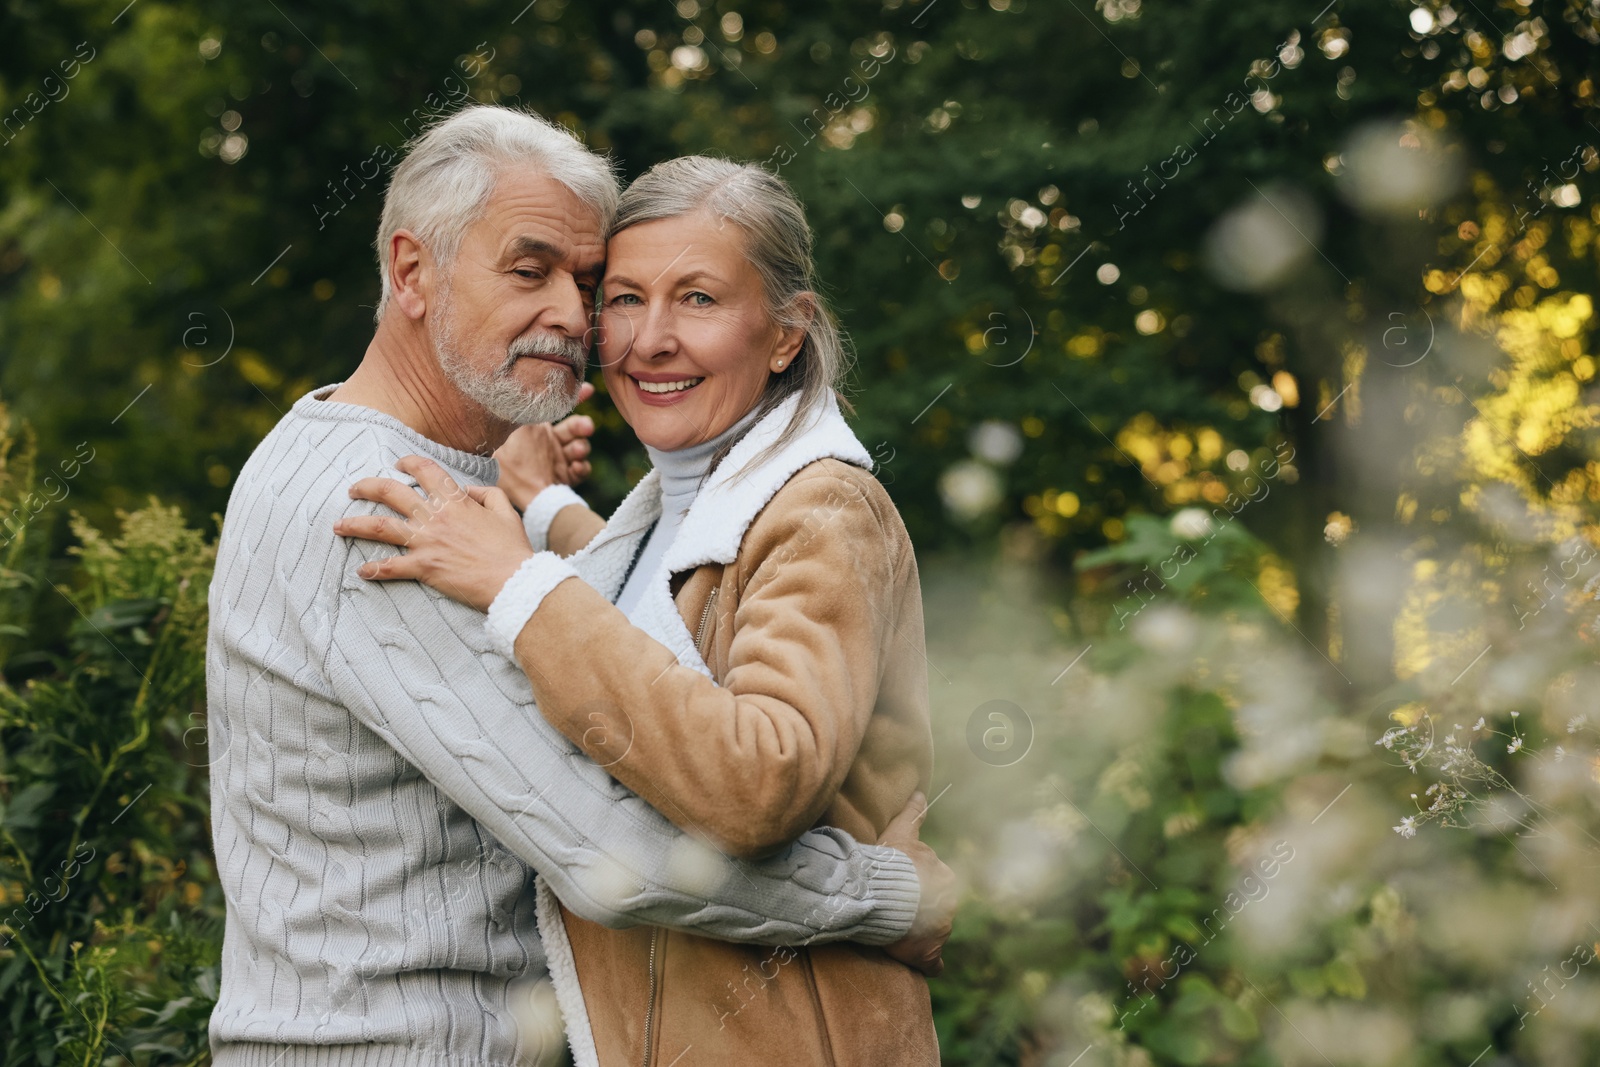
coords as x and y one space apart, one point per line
1345 979
1237 1023
123 614
23 812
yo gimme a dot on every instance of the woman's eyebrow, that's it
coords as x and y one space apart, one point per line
618 281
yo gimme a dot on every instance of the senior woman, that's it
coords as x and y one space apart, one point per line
745 650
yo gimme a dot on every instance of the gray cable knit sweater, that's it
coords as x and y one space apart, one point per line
382 783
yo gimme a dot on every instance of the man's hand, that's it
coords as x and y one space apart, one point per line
545 454
923 947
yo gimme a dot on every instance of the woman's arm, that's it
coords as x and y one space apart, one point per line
755 761
572 528
557 520
538 466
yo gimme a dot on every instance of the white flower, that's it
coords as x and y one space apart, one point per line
1516 743
969 489
995 442
1479 724
1560 752
1407 827
1191 524
1576 723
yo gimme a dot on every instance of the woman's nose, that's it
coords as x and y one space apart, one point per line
655 337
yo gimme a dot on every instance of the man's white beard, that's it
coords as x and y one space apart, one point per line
497 391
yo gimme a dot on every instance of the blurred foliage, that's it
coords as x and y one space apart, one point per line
109 906
1256 338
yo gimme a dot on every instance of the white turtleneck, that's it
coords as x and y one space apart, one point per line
683 471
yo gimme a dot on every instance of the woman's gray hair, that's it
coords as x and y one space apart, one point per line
777 243
444 183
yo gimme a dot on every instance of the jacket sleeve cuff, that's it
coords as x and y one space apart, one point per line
542 510
521 596
894 891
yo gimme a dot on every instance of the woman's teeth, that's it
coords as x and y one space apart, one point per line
669 387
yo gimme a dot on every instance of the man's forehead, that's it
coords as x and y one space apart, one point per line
550 243
542 210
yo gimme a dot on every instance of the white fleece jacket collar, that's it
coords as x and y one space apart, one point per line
728 503
726 506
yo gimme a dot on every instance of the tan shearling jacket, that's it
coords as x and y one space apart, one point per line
787 689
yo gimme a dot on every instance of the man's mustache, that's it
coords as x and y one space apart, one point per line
571 352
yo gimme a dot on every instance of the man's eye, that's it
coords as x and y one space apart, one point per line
529 273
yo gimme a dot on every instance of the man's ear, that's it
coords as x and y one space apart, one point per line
411 274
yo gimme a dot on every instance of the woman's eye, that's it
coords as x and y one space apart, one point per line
626 299
700 300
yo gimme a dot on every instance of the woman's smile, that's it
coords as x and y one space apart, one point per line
661 389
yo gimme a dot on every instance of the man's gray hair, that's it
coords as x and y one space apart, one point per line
444 183
777 242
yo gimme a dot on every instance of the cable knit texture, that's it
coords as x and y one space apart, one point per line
383 789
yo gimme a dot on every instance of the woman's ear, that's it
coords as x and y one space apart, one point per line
791 338
411 274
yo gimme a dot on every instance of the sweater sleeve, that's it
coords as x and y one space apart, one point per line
753 762
417 668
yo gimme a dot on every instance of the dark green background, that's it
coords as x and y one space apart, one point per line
1002 145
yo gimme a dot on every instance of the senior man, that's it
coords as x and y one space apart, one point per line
384 789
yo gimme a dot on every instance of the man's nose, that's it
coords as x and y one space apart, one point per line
571 308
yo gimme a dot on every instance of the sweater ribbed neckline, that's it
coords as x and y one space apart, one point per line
684 470
314 406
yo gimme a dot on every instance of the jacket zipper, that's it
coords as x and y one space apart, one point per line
705 617
650 1005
